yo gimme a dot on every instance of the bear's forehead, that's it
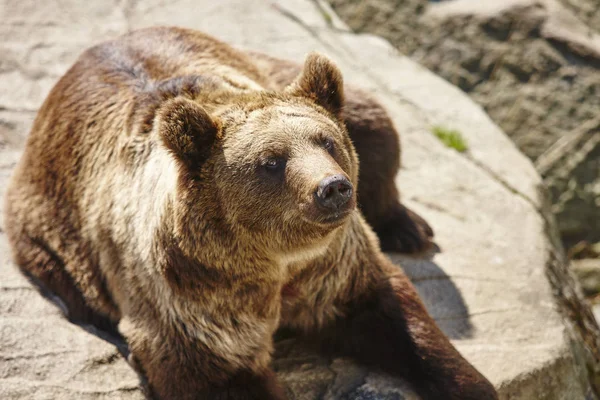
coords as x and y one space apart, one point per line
292 117
279 130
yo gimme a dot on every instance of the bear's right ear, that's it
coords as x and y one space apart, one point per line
187 130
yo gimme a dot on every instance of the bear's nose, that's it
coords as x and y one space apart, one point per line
334 192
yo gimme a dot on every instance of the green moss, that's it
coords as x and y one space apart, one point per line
451 138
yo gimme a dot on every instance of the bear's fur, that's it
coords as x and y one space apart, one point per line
175 187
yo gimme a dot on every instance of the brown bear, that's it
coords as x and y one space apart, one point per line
198 198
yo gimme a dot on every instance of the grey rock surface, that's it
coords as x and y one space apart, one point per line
587 271
487 288
533 66
585 10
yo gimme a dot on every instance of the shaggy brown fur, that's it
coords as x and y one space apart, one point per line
175 186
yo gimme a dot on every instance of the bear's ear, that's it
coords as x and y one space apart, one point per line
187 130
320 81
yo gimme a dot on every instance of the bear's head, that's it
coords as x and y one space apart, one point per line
278 167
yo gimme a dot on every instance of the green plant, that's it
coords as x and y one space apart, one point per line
451 138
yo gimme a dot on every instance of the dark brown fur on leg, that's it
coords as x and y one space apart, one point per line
404 231
177 367
376 142
44 268
388 327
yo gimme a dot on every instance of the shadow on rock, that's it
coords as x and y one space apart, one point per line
439 294
95 324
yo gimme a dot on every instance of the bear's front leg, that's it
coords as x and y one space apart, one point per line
179 365
390 328
355 302
386 325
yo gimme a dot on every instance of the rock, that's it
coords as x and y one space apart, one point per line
533 66
584 10
487 289
572 170
596 311
584 250
587 271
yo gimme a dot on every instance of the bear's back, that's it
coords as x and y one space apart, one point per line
156 54
114 80
111 93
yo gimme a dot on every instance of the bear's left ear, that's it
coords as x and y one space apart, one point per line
187 130
320 81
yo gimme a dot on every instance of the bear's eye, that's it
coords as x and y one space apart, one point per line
274 164
328 144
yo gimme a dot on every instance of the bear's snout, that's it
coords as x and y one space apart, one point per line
334 192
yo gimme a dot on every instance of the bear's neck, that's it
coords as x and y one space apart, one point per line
211 245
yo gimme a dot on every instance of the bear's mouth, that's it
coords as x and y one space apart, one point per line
324 218
335 217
